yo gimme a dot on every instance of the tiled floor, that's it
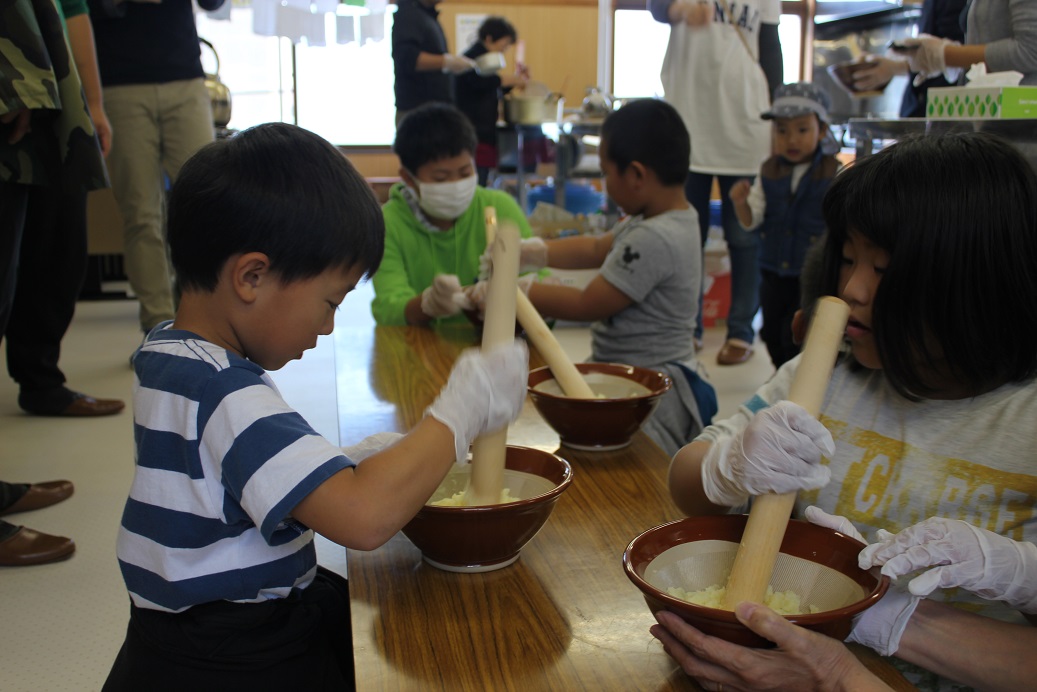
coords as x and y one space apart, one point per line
62 624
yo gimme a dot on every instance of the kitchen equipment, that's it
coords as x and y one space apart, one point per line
596 104
498 330
532 104
490 63
219 93
818 564
485 538
758 549
565 373
629 395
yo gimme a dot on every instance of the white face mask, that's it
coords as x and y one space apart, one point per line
446 201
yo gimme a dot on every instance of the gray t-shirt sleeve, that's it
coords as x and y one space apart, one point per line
639 260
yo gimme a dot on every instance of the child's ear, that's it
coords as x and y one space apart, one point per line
799 327
248 274
637 171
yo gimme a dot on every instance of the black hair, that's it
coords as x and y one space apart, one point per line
651 132
276 189
957 214
496 28
431 132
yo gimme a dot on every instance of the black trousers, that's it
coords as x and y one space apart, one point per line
779 300
51 268
302 642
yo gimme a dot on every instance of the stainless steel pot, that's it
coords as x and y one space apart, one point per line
525 110
219 93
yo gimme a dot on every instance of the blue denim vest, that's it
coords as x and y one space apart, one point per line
792 221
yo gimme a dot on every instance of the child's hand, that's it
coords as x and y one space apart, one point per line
532 257
476 293
438 299
740 191
778 452
485 392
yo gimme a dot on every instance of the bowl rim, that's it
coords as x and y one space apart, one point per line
546 496
667 382
718 614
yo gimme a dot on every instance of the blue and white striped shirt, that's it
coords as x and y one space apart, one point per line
221 460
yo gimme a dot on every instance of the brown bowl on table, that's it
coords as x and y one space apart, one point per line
488 537
629 395
843 74
819 564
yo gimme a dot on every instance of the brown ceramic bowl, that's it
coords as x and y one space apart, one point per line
819 564
485 538
631 394
843 74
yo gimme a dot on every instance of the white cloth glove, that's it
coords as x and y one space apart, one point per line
457 64
881 626
438 299
485 392
532 257
778 452
879 73
816 515
372 444
980 561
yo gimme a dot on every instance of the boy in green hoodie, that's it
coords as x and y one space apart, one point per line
434 226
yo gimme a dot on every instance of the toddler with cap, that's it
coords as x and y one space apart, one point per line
784 206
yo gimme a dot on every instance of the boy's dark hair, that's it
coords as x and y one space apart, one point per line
431 132
276 189
651 132
496 28
958 300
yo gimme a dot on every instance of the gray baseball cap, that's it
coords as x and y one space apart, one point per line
800 98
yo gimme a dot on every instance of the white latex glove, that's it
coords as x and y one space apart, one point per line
485 392
880 71
816 515
372 444
438 299
532 257
778 452
881 626
457 64
925 54
476 294
980 561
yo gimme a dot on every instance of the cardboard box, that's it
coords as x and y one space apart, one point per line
982 103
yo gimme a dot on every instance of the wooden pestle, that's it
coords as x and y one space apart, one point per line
761 540
489 450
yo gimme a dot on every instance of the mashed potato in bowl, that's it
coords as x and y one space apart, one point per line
781 602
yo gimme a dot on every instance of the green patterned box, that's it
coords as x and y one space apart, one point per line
982 103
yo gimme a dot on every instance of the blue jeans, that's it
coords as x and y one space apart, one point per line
742 246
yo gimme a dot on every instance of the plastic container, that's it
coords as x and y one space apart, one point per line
580 198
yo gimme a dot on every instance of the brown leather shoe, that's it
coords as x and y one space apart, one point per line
84 405
734 352
41 495
28 547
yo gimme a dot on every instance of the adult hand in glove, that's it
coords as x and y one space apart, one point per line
532 257
438 299
960 555
879 72
485 392
778 452
457 64
370 445
925 54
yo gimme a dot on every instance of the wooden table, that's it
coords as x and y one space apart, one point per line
563 617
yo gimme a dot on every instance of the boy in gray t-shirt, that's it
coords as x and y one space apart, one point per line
644 301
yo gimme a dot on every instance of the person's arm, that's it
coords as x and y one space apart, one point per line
579 252
598 301
81 40
997 656
685 481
